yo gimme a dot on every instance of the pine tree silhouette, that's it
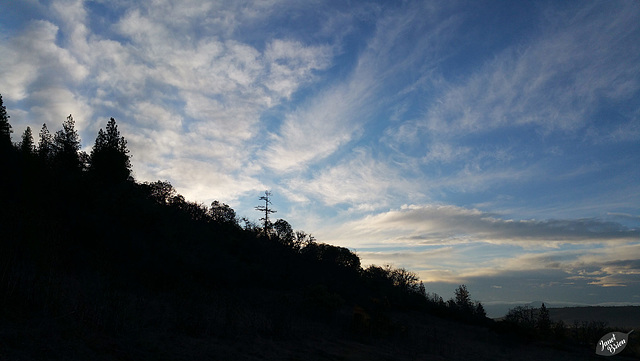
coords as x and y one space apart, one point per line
66 144
109 159
45 144
26 145
5 127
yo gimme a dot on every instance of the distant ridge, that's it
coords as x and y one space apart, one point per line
571 311
499 310
614 316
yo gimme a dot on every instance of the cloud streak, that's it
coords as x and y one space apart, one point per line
442 224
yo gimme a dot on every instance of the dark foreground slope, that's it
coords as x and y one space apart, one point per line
106 272
249 335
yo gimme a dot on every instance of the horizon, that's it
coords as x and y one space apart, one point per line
479 143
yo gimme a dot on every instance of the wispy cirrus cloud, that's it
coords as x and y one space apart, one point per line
360 181
555 82
294 147
338 115
317 129
292 63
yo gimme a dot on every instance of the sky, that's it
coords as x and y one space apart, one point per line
489 143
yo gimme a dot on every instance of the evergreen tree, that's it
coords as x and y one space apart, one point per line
463 299
479 311
45 144
422 291
66 144
28 166
5 127
544 321
109 159
101 142
26 145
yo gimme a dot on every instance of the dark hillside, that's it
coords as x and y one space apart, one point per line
94 265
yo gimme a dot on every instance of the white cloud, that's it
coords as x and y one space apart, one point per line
292 63
150 115
204 181
414 259
187 94
33 61
215 119
55 104
359 181
318 130
41 74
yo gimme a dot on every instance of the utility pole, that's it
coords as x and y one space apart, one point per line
267 211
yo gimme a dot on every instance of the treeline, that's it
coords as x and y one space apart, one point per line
535 323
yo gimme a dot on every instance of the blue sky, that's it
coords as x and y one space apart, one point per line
489 143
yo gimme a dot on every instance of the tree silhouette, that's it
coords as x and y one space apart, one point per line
222 213
479 311
404 279
5 127
544 321
302 239
26 145
161 192
422 291
522 316
28 164
66 144
267 211
284 232
334 255
109 159
45 144
463 299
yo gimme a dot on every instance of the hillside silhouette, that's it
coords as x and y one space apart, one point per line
96 265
